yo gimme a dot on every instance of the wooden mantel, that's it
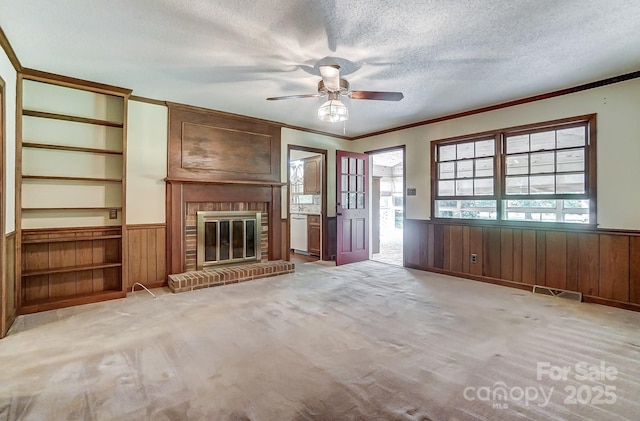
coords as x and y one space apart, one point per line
234 182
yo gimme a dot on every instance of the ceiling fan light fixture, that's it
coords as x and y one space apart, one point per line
333 111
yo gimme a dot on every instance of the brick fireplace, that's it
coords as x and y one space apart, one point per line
186 199
220 162
194 258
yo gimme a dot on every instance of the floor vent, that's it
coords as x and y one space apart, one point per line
571 295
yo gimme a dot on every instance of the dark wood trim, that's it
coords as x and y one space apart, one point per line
28 231
8 49
18 192
74 209
64 117
69 269
147 100
71 82
324 253
124 244
5 316
33 74
385 149
527 287
499 158
603 265
223 182
538 226
534 98
286 240
148 285
591 161
486 279
67 239
611 303
69 148
61 178
12 237
61 302
144 226
271 122
404 187
218 113
175 227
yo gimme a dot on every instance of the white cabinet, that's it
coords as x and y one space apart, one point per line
299 232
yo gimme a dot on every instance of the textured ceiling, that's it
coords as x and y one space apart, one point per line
445 56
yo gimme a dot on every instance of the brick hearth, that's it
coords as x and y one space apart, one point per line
212 277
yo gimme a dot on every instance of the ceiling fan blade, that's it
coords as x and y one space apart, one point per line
331 77
277 98
379 96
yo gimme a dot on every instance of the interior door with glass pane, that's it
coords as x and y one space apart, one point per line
352 215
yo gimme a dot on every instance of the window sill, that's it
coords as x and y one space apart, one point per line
565 226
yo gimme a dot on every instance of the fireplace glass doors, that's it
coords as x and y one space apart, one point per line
227 237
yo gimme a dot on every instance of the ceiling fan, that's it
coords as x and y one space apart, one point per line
332 87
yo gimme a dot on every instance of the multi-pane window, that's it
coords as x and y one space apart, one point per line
466 179
353 178
546 174
543 173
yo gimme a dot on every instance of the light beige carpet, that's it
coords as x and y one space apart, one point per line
364 341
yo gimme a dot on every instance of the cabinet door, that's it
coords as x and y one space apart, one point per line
312 173
313 235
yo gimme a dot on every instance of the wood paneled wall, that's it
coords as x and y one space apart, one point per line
9 303
209 146
329 240
284 251
147 261
604 265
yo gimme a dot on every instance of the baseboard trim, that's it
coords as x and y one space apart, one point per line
528 287
150 285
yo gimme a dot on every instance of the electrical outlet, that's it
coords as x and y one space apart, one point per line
474 258
113 213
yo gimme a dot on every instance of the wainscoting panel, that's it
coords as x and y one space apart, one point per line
284 226
602 264
146 248
9 303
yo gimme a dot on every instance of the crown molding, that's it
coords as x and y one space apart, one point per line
534 98
147 100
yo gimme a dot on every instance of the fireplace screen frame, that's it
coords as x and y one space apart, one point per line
221 216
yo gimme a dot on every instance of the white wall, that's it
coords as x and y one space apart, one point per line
312 140
8 74
618 140
146 163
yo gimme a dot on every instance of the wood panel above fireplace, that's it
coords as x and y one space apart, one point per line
207 146
220 159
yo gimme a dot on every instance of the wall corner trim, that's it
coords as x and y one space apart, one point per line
6 46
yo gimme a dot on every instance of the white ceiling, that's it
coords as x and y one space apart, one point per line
445 56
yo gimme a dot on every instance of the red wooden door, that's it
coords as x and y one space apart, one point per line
352 214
